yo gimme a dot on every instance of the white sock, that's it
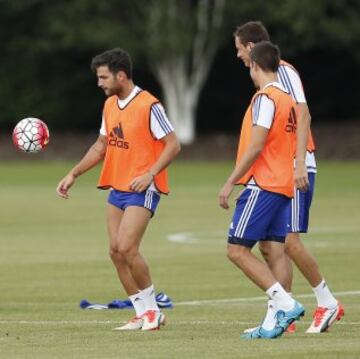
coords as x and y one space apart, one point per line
138 304
282 299
270 318
148 296
323 296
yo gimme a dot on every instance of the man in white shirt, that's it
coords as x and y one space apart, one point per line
328 309
264 165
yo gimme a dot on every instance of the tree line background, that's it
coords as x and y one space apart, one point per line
183 52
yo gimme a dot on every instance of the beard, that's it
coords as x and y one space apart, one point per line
110 91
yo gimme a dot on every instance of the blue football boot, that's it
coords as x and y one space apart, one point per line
261 333
284 319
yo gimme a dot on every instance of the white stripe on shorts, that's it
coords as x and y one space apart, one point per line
245 216
298 210
148 199
295 207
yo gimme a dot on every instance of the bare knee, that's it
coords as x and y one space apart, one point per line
265 251
123 254
236 253
293 244
272 252
115 254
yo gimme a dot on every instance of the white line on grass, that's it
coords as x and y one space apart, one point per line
185 303
197 237
91 322
175 322
251 299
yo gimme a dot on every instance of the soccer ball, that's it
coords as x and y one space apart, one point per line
31 135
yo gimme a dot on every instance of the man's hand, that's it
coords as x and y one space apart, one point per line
141 183
301 176
64 186
225 194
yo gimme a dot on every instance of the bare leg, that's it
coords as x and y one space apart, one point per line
303 259
253 268
279 263
124 247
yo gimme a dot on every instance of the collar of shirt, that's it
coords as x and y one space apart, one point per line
133 93
275 84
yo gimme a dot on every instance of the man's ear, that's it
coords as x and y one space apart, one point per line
120 76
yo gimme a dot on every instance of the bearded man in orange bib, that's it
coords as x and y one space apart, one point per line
137 143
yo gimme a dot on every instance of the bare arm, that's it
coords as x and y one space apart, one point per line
171 149
302 135
93 156
258 139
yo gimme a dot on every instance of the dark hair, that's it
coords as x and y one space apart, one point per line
116 60
252 31
266 55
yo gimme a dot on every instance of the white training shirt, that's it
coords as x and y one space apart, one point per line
263 108
291 81
159 123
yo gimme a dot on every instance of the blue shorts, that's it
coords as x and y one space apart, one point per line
259 215
148 199
298 210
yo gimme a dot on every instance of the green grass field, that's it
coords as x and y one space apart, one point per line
53 253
